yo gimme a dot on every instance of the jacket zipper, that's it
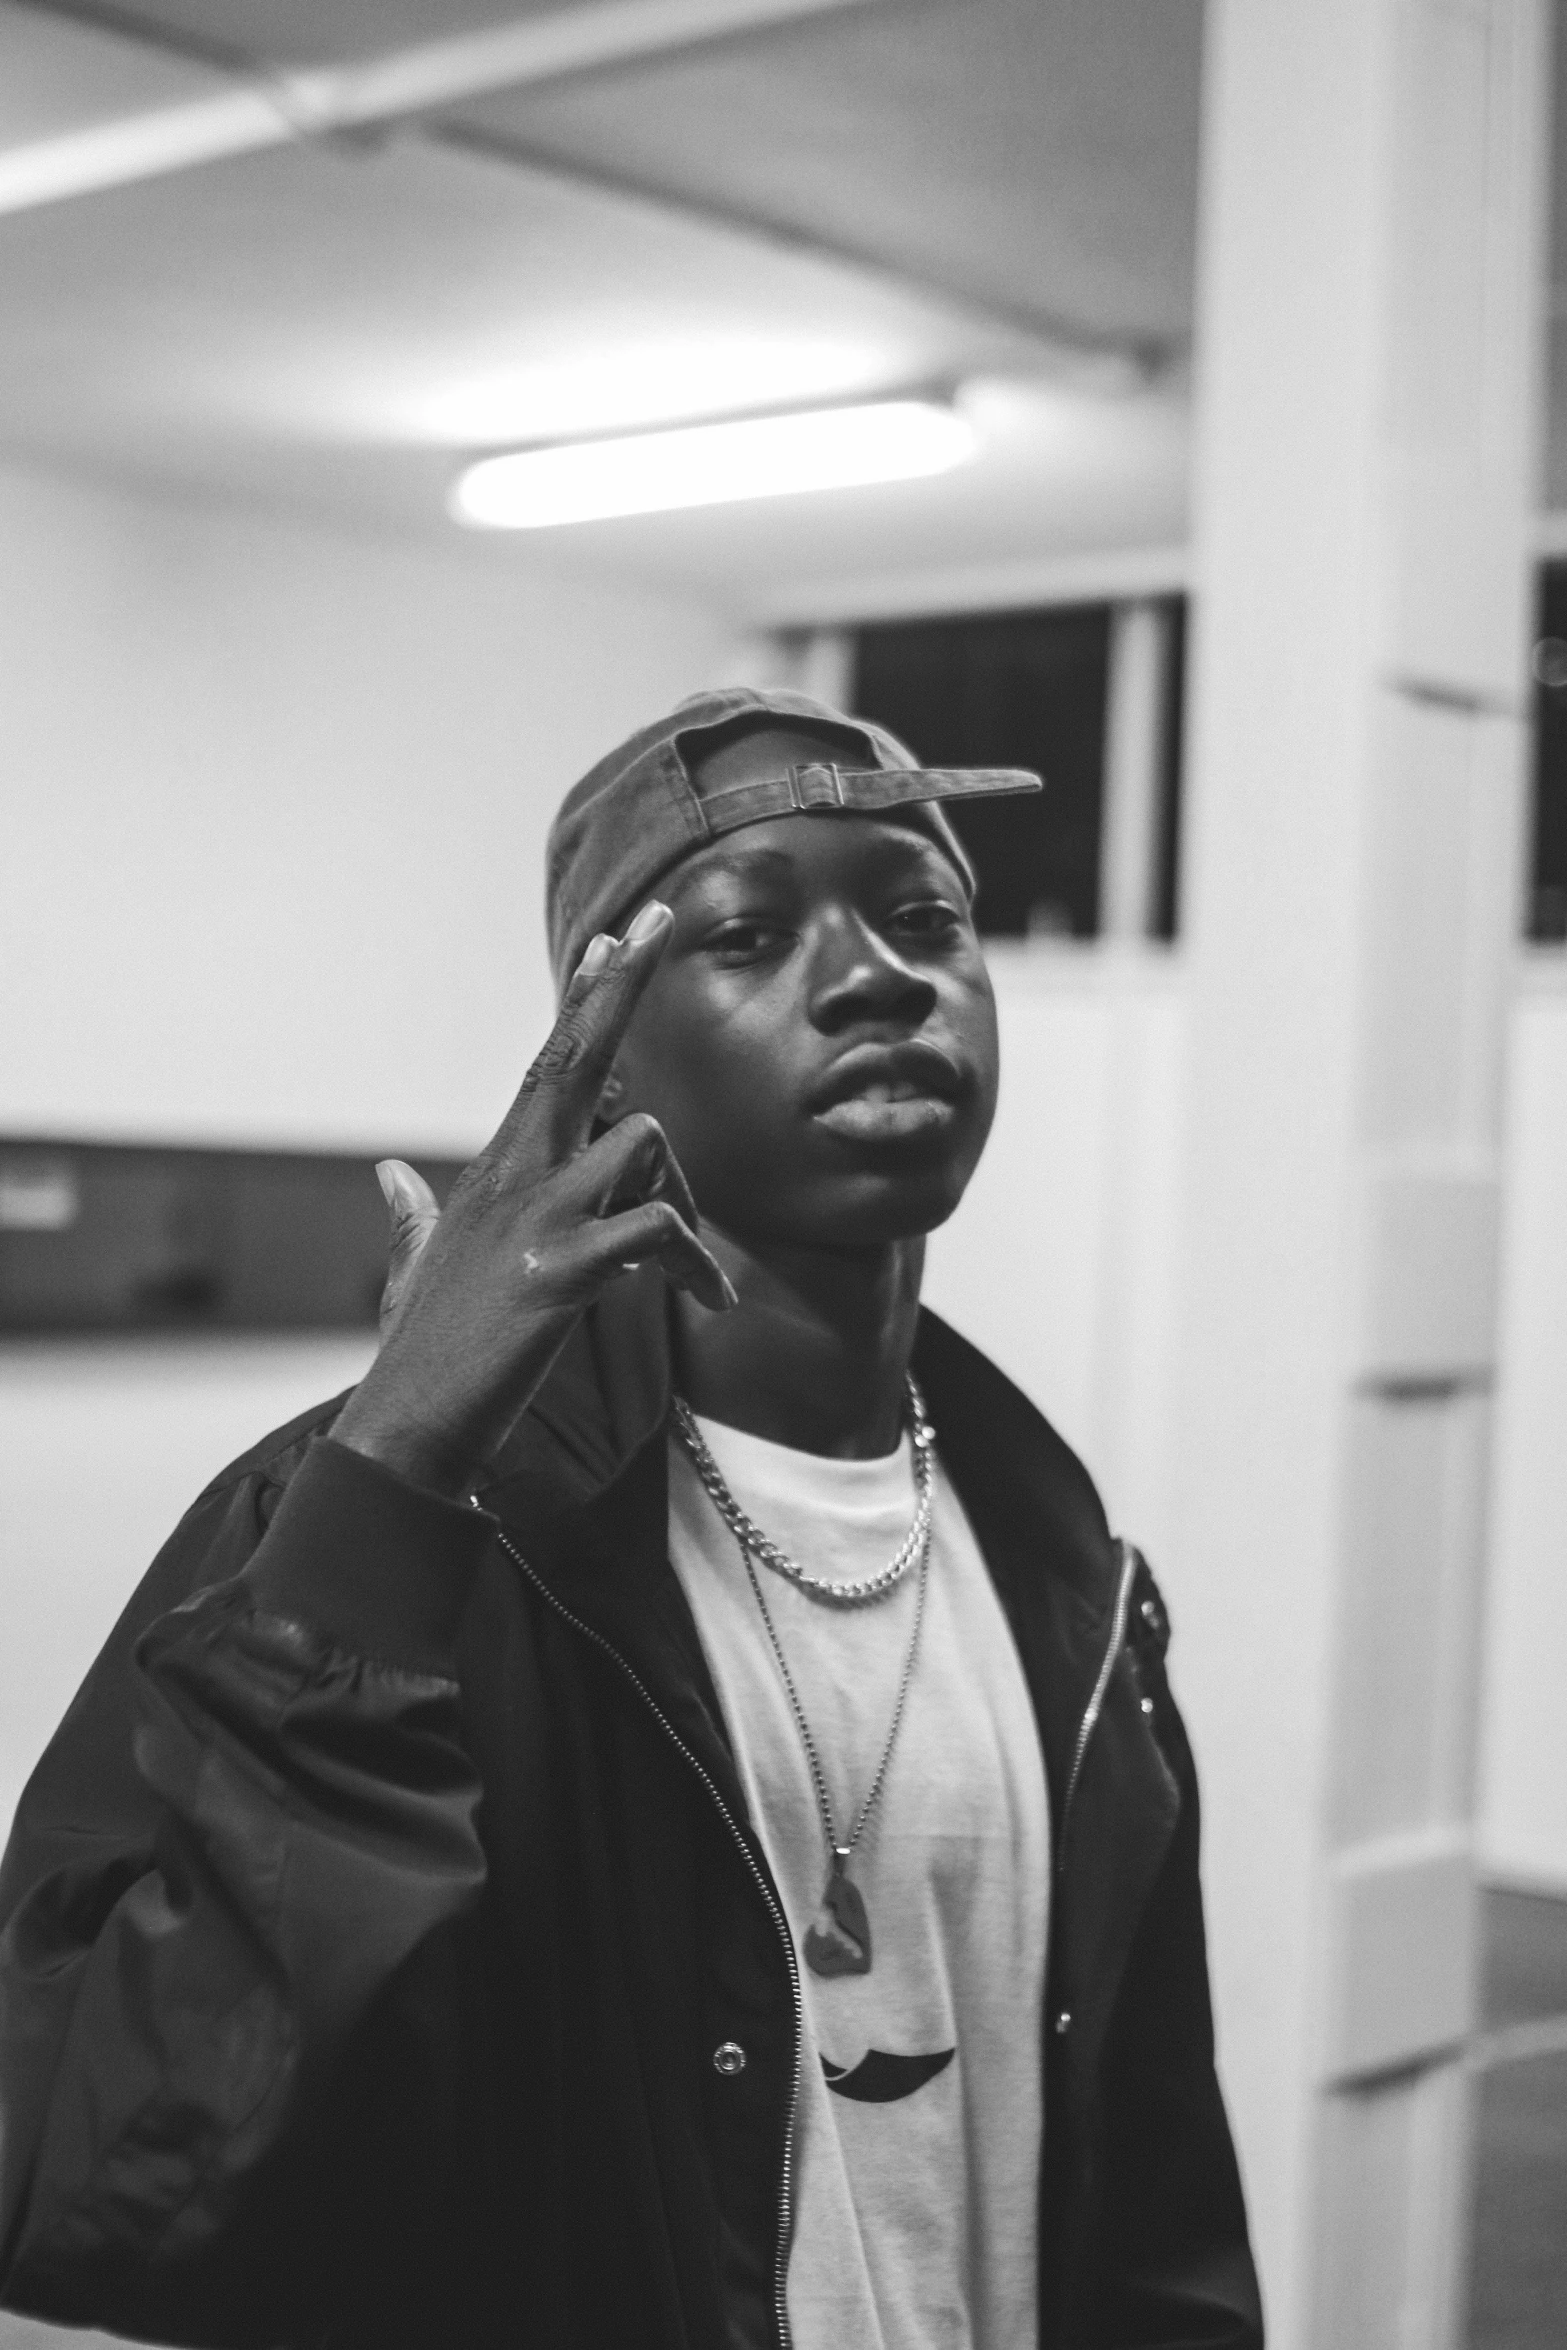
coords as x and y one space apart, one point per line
1123 1599
786 2187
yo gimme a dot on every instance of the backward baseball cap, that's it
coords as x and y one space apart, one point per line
644 808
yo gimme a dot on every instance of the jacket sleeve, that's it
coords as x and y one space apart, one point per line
1174 2263
256 1812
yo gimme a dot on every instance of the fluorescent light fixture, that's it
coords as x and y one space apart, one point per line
713 464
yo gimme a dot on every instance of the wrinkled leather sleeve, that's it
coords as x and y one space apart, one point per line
1174 2265
257 1811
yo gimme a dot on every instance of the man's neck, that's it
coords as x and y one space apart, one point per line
816 1353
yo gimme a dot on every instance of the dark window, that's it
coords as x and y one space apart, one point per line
1025 689
1167 842
1015 689
1548 866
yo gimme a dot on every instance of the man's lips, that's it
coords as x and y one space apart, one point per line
885 1093
889 1072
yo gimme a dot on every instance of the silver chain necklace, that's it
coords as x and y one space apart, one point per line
755 1543
838 1942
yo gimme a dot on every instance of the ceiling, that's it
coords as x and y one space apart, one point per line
623 211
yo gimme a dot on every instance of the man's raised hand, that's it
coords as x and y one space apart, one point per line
481 1295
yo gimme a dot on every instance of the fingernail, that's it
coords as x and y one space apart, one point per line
650 919
595 955
386 1178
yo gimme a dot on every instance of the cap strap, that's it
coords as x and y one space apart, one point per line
821 786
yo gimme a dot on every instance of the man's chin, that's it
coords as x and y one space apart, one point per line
877 1206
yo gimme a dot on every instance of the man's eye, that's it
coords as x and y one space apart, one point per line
930 918
745 936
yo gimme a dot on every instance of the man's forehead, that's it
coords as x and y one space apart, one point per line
787 848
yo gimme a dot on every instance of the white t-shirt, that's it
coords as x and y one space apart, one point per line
916 2179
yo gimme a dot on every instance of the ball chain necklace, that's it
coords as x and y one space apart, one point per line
839 1940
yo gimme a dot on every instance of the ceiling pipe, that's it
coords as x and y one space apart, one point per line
267 106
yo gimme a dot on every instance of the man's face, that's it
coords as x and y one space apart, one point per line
819 1040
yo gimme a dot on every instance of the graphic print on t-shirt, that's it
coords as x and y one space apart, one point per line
918 2118
878 2078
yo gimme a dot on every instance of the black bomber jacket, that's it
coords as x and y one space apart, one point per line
368 1928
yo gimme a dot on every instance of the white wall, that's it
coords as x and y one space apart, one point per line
274 803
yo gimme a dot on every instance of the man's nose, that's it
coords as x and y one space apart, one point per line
859 975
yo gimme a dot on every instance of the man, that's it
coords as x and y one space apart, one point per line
613 1833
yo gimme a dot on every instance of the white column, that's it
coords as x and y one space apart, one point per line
1134 747
1366 401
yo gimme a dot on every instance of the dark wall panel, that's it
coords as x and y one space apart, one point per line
98 1237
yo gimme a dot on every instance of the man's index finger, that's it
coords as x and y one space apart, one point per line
575 1057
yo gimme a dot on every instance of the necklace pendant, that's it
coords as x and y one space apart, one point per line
839 1940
